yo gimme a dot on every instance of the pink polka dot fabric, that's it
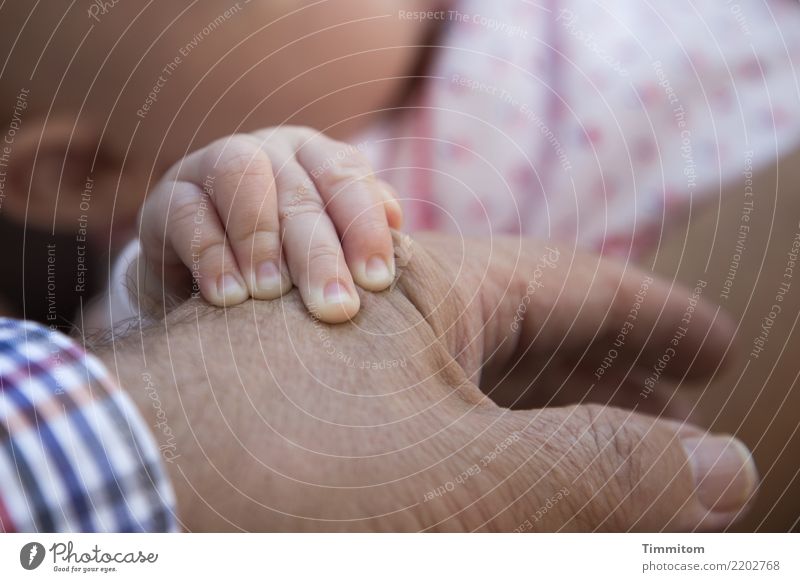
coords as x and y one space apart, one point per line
598 124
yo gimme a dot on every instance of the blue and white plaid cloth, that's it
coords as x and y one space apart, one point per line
75 454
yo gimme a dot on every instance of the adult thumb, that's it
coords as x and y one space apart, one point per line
625 471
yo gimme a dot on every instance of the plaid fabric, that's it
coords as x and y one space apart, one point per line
74 453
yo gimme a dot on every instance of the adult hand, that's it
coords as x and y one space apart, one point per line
270 420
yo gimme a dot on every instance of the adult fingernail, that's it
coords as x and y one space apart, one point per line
379 272
269 280
335 292
725 475
230 289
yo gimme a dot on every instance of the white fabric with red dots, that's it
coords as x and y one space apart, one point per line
597 124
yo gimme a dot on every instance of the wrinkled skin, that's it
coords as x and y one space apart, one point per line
268 420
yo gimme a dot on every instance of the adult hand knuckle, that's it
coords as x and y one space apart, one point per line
612 436
611 471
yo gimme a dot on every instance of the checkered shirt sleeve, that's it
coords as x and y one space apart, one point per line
75 455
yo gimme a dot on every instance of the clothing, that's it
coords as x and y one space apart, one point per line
75 454
118 305
598 124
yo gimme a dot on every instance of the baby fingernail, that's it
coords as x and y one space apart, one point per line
724 472
269 278
335 292
230 289
379 272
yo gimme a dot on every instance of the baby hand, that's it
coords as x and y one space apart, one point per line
222 214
